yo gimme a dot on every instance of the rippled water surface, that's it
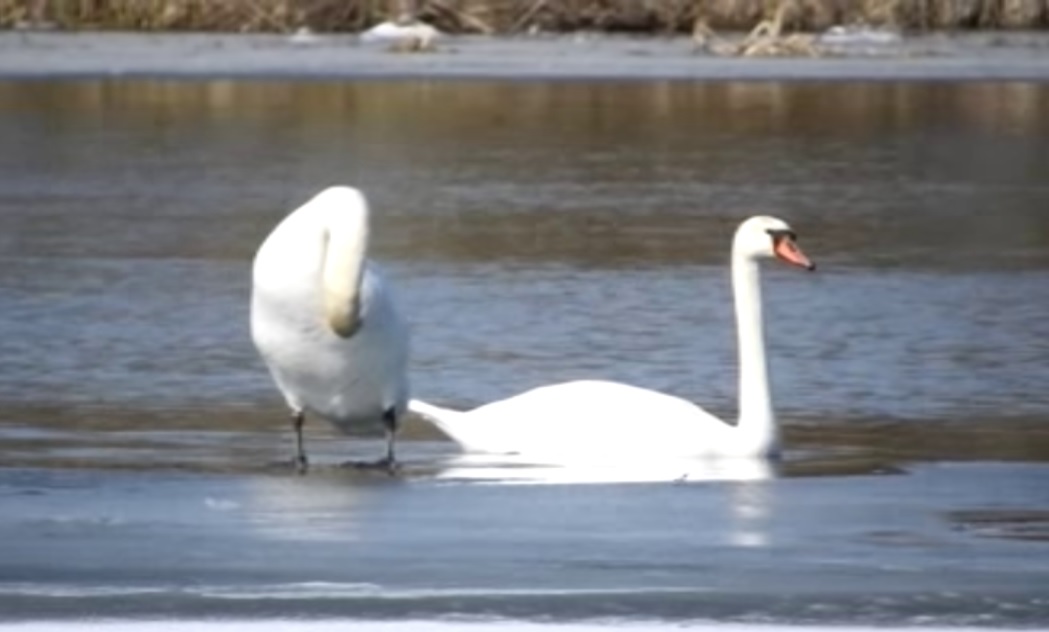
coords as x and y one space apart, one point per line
540 232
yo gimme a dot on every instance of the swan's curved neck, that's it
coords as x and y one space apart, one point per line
756 420
345 245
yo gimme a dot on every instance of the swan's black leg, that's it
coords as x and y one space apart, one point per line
390 423
298 417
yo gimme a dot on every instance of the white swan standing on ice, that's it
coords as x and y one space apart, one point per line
325 322
607 419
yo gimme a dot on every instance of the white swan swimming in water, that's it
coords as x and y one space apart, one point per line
606 419
325 323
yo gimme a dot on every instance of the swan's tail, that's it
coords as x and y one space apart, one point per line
443 418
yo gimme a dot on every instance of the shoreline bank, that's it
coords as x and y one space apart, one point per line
55 55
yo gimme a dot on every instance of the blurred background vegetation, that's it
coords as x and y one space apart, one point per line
516 16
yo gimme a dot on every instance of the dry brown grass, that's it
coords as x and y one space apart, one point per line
767 39
510 16
204 15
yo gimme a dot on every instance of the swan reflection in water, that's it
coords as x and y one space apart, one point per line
517 469
746 481
734 497
296 508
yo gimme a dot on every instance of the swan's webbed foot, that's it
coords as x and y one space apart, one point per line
389 462
384 464
297 463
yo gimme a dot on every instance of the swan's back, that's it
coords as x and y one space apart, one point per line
589 418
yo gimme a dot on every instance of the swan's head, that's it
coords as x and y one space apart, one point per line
765 236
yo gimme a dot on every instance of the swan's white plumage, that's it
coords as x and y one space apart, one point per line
351 381
589 418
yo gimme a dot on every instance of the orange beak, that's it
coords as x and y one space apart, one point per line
788 251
